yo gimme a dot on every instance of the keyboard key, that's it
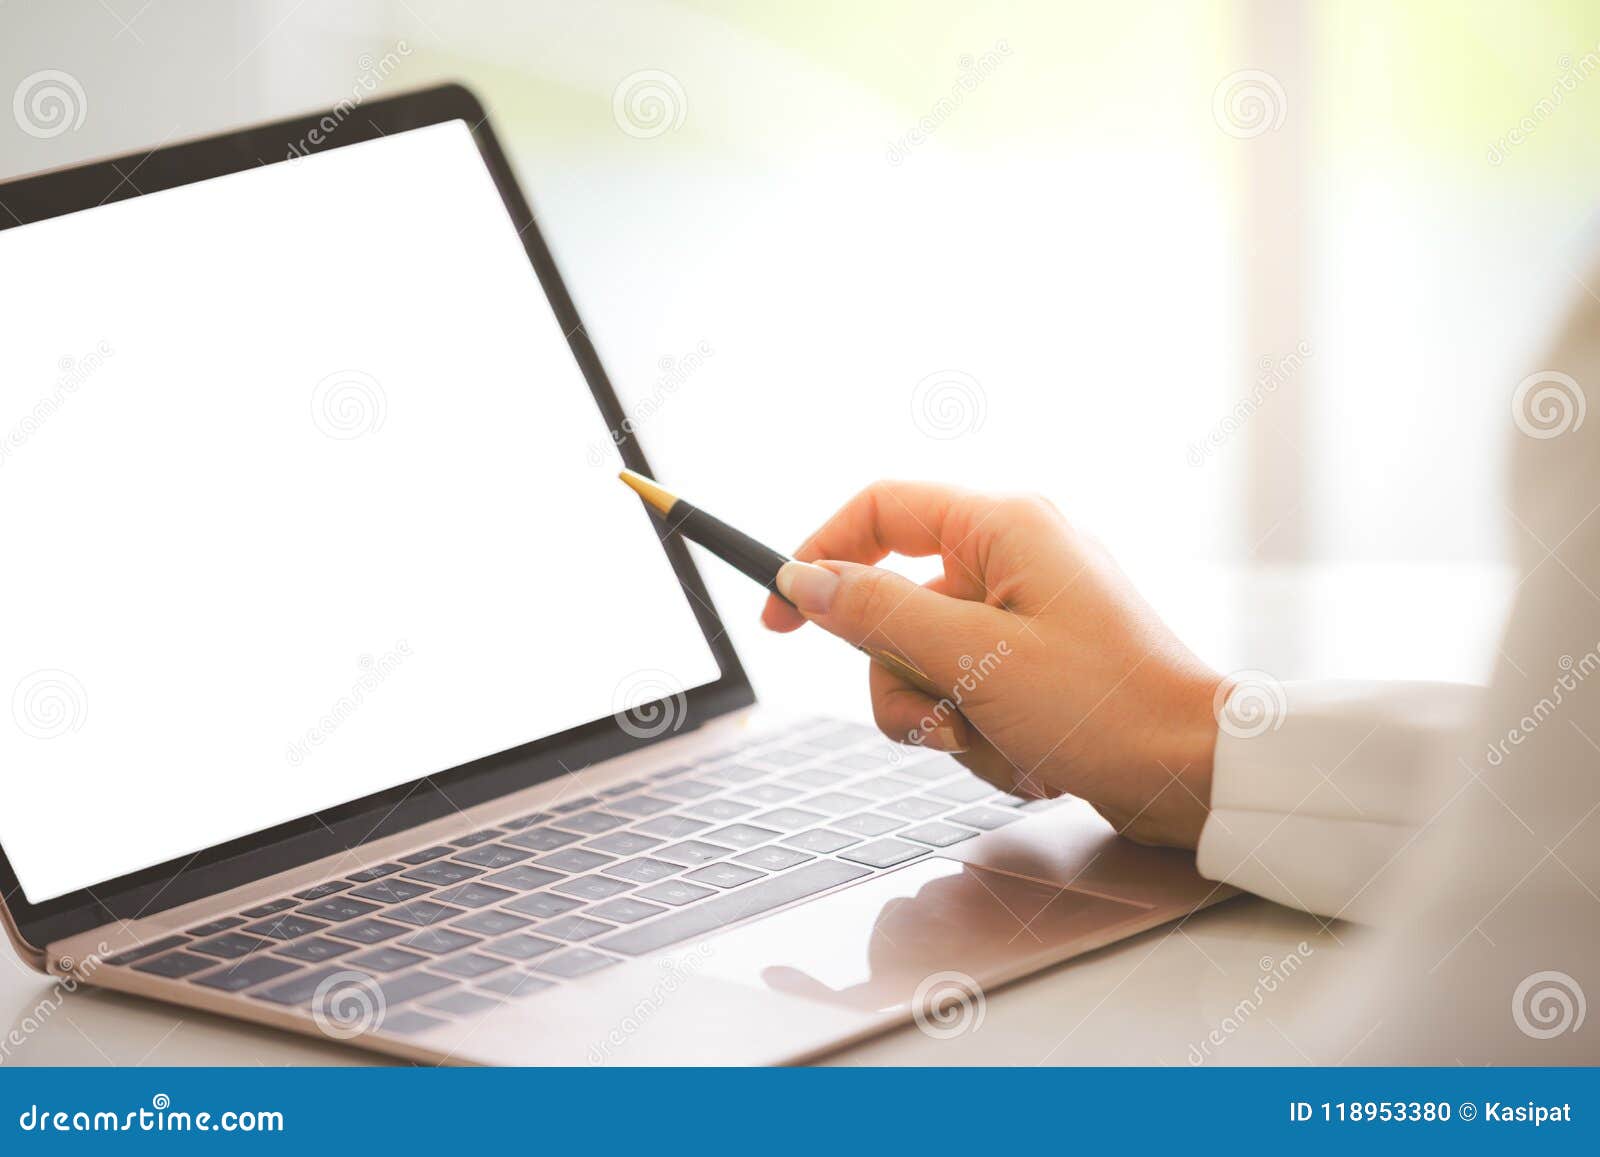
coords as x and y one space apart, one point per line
321 890
671 827
723 909
393 891
986 818
789 818
574 860
625 910
524 878
443 873
874 760
929 770
427 854
965 790
672 772
772 858
914 808
543 840
675 892
377 871
837 803
315 949
821 840
231 946
150 948
409 1021
303 988
643 871
543 904
592 823
623 788
574 928
769 793
493 855
421 912
410 986
575 962
719 809
574 805
214 927
522 946
641 805
268 908
340 908
175 965
476 838
779 757
592 887
247 973
490 922
884 853
461 1003
815 777
289 926
692 852
883 786
741 835
734 773
514 984
469 965
474 895
868 824
527 821
624 843
723 875
938 834
386 959
367 931
688 789
438 941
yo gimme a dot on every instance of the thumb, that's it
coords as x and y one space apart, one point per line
871 607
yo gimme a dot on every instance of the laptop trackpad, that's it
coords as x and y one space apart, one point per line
882 944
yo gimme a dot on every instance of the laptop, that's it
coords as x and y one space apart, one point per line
350 694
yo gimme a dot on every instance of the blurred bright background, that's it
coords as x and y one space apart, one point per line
1244 286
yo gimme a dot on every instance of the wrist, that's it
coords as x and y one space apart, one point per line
1176 774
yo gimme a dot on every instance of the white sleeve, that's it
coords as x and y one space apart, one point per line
1312 803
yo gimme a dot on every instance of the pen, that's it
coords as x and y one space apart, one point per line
750 557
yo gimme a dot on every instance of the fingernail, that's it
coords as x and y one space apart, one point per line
810 588
944 738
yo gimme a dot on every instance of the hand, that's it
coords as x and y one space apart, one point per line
1061 678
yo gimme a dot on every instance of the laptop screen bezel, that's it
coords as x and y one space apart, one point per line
287 845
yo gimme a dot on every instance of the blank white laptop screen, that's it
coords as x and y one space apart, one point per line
298 505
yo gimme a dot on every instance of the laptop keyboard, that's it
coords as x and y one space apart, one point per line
453 929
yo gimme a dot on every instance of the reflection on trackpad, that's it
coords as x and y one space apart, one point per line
872 945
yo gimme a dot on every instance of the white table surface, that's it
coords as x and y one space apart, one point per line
1149 1000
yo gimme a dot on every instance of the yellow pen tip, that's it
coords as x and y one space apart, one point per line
656 496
